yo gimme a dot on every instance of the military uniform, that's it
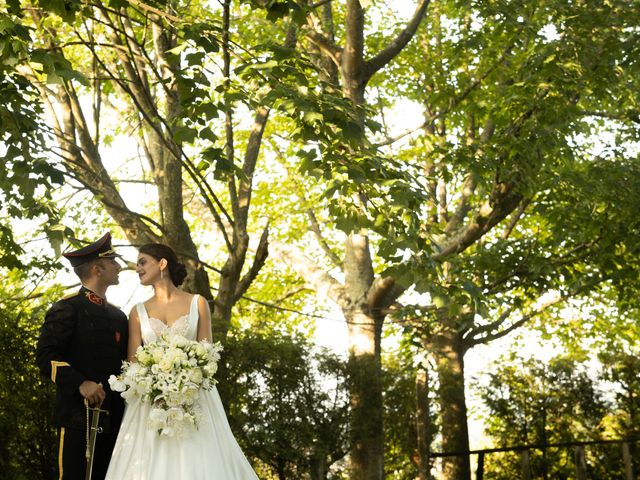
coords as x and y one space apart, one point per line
83 338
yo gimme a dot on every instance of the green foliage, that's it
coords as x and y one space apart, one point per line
531 403
291 401
66 9
399 378
29 442
621 369
360 187
532 77
27 176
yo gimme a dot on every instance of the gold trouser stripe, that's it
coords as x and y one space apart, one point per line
61 451
54 368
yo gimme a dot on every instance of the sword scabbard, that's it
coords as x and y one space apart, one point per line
93 429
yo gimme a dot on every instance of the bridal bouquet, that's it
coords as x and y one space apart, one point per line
168 375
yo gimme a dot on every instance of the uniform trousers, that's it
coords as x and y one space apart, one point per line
72 460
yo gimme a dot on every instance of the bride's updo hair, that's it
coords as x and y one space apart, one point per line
177 270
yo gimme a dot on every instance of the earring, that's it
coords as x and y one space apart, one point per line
161 274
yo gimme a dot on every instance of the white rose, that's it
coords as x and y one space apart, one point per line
174 399
200 350
190 395
179 341
157 353
166 364
158 416
210 369
143 356
143 387
174 415
195 375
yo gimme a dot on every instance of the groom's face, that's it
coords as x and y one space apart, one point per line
110 269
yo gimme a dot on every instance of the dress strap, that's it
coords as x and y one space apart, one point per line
192 329
142 311
193 311
146 330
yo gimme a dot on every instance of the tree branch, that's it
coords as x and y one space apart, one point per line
397 44
260 257
384 291
513 221
471 340
315 228
325 45
315 277
470 184
489 214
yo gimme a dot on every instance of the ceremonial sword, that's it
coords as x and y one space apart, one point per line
92 434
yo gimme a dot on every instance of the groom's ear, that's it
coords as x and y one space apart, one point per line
96 267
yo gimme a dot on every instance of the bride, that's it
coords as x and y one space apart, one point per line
209 452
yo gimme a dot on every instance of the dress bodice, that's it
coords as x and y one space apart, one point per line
152 328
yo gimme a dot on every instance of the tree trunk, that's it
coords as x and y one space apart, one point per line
423 427
363 301
365 370
365 393
449 352
318 469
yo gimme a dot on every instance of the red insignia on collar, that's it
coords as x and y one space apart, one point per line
117 337
93 298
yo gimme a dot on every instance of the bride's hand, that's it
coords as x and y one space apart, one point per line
92 391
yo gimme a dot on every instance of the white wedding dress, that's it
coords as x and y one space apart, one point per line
209 452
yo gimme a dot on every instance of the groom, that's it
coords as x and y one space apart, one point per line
82 342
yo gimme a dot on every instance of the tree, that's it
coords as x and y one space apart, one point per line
145 66
293 401
516 213
29 440
364 295
532 403
26 177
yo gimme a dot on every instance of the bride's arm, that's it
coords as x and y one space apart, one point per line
204 319
135 335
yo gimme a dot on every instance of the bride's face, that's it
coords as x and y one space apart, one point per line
148 269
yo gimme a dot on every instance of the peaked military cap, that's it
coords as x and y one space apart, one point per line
99 249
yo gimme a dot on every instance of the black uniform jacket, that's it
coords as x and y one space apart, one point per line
83 338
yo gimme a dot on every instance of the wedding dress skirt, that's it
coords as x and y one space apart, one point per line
208 452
